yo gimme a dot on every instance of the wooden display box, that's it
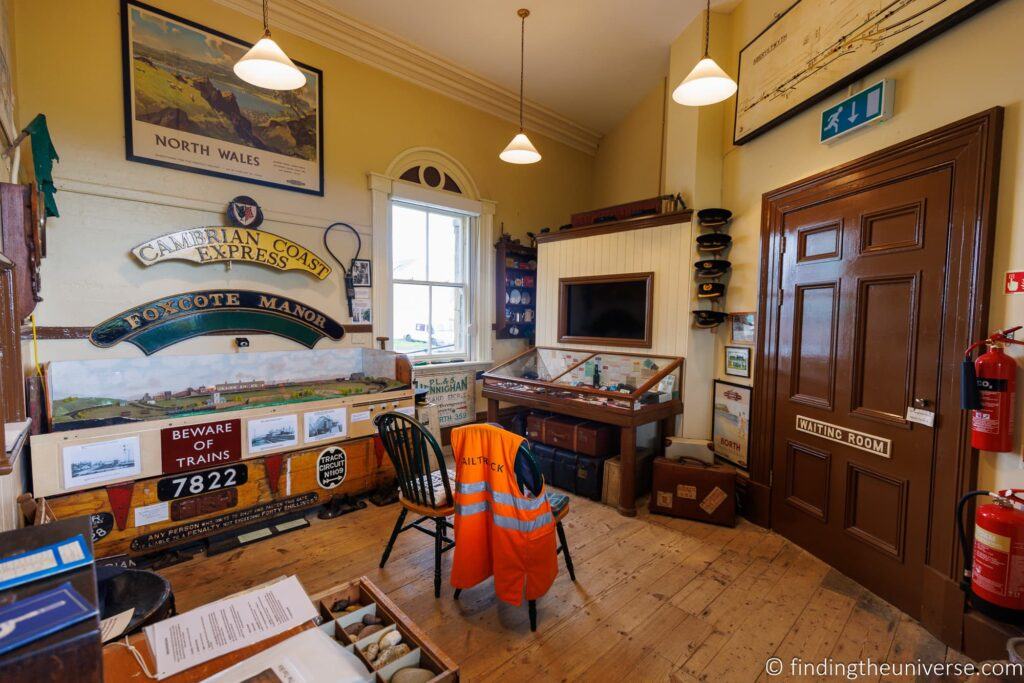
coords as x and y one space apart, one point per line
612 467
363 591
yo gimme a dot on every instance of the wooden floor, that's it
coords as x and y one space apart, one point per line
657 599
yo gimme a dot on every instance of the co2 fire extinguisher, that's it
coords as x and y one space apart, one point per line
988 388
994 567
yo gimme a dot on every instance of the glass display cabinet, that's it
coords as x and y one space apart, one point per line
627 390
614 381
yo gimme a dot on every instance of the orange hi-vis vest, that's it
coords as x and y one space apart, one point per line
499 530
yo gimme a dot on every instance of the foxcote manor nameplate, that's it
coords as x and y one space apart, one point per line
223 244
160 323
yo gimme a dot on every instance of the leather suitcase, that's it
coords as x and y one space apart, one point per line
565 470
546 461
589 476
583 436
694 490
560 431
535 427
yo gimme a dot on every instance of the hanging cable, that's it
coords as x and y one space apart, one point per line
350 289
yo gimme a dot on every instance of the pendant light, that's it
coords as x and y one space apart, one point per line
266 65
707 83
521 150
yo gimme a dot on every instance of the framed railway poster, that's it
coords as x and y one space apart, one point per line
817 47
186 109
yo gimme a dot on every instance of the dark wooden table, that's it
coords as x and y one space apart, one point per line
627 421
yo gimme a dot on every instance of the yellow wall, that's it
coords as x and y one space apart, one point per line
69 66
969 68
628 162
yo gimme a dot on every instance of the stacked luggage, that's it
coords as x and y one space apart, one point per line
572 452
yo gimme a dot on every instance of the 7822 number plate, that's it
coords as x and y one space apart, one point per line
194 483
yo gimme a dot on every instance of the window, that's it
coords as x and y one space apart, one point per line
430 281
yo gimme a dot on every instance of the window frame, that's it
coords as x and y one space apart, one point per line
466 337
480 213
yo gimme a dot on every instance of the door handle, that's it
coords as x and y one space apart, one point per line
922 402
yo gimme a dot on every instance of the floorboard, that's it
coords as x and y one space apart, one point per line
657 599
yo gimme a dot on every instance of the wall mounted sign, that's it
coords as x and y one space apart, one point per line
160 323
870 105
225 244
205 527
171 488
859 440
193 447
331 465
244 212
1014 282
102 523
817 47
186 109
204 504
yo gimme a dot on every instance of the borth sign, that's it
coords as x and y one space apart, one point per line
193 447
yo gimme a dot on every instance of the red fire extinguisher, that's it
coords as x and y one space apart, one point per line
988 389
994 568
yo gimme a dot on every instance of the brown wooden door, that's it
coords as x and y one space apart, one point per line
863 276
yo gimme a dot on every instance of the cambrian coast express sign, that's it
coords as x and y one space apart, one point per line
224 244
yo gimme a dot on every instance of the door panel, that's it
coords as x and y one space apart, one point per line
862 279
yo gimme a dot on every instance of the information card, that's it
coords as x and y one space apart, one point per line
217 628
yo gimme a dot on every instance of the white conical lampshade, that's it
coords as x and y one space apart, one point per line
520 151
267 66
706 84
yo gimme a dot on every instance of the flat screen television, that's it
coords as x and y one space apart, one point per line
606 309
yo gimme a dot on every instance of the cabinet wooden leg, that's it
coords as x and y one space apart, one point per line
492 410
627 472
666 428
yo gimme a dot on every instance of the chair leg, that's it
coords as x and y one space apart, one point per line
533 615
438 535
565 551
394 535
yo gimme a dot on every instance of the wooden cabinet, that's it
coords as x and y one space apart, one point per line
515 287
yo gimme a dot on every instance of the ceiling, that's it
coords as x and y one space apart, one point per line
589 60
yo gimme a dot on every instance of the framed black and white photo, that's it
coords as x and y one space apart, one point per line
817 47
361 276
742 327
737 361
730 426
186 109
272 433
321 425
101 461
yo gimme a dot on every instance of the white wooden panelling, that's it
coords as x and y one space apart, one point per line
663 250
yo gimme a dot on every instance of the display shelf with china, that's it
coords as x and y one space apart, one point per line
515 289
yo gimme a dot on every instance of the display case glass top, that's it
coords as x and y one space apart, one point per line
624 381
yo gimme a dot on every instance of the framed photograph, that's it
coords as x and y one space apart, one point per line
730 427
272 433
817 47
184 108
103 461
743 330
737 361
321 425
361 276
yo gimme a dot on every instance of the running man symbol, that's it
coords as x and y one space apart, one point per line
833 120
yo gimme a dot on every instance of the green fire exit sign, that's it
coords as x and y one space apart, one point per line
871 105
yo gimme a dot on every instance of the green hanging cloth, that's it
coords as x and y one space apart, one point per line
43 156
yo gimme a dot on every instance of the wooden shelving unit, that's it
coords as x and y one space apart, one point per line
515 287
